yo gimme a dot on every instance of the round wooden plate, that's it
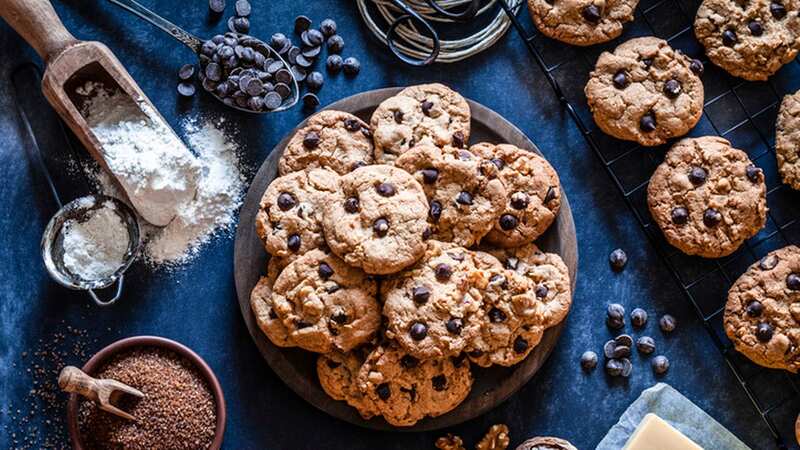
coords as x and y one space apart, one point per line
297 367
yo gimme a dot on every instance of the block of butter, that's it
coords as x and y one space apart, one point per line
653 433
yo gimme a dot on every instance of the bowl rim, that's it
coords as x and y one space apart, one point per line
96 361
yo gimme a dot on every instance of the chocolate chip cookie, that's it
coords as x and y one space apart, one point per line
261 304
749 39
464 196
433 309
333 139
424 114
325 304
511 323
787 142
762 315
406 389
376 220
645 92
581 22
707 197
290 220
550 277
337 374
533 194
546 443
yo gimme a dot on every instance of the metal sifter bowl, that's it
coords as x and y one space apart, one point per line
53 245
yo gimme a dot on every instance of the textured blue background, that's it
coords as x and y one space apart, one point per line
197 305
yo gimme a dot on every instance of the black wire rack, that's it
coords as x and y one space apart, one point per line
742 112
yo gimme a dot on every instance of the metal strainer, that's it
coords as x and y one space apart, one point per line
52 245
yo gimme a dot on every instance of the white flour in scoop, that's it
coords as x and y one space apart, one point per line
95 248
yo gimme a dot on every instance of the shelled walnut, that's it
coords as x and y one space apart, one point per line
450 442
496 439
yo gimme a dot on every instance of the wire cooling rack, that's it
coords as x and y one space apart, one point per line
742 112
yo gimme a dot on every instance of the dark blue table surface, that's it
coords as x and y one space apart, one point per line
196 305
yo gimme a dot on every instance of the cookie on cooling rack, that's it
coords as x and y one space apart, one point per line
707 197
581 22
645 92
787 142
762 315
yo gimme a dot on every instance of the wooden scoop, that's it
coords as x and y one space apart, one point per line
70 63
103 392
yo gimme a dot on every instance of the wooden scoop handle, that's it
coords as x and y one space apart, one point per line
37 22
74 380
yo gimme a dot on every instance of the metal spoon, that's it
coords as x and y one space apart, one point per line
217 80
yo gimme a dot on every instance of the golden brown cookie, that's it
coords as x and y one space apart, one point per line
787 142
762 315
337 374
581 22
707 197
261 304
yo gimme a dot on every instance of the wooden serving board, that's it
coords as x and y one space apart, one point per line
297 367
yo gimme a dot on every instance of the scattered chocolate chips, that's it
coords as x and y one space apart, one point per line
667 323
712 217
672 88
697 175
646 345
443 272
680 215
286 201
793 281
588 360
301 24
614 367
648 122
216 6
615 316
242 8
186 72
351 66
334 63
186 89
754 308
764 332
418 331
638 317
620 80
621 351
381 227
591 13
729 38
624 340
508 222
310 101
335 44
608 349
328 27
314 81
660 365
627 367
618 259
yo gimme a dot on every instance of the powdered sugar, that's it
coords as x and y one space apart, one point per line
95 248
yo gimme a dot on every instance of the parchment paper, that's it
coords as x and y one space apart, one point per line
680 412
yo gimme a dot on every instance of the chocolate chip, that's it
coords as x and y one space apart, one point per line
335 44
667 323
591 13
352 125
793 281
240 24
340 318
499 163
418 331
381 227
314 81
272 314
328 27
608 349
660 365
458 139
497 316
646 345
550 195
627 367
293 242
334 63
429 176
729 38
384 391
286 201
398 116
273 100
464 198
213 71
768 262
186 89
520 344
647 62
764 332
621 80
426 107
325 270
754 308
216 6
351 205
351 66
624 340
648 122
672 88
588 360
614 367
621 351
753 173
541 291
427 234
435 210
420 294
697 175
712 217
439 382
639 317
778 10
443 272
618 259
519 200
680 215
333 288
408 361
242 8
511 263
508 222
454 325
697 67
311 140
385 189
755 28
615 315
186 72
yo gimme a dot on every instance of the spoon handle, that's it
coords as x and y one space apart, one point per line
186 38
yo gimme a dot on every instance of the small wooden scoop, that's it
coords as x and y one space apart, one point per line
72 63
103 392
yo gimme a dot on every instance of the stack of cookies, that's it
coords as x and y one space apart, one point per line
403 256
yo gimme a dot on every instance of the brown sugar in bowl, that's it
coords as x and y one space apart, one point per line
106 354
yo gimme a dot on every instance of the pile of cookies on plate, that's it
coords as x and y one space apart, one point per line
707 197
403 256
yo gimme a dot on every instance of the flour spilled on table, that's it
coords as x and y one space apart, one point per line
213 210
